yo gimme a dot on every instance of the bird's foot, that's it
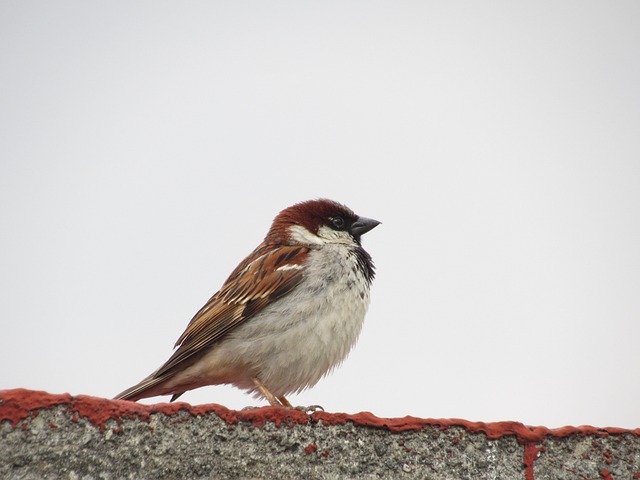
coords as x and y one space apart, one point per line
310 409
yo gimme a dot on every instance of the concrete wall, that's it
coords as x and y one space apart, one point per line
60 436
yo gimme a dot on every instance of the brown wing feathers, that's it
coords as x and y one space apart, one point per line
264 276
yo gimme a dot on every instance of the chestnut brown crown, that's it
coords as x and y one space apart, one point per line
312 215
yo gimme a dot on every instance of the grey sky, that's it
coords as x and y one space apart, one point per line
146 146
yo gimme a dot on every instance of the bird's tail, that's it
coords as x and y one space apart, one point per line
149 387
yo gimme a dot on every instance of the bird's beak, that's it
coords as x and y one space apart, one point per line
362 225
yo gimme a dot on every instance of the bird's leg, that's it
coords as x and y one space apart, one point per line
271 398
281 401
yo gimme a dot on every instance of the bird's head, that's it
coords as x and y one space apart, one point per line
318 222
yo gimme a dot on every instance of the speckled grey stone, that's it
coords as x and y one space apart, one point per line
56 443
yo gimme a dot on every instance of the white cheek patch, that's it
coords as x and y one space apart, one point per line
305 237
325 235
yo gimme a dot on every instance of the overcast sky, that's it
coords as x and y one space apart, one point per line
146 146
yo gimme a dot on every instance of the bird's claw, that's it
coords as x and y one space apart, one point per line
310 409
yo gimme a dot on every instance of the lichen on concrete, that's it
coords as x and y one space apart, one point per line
64 437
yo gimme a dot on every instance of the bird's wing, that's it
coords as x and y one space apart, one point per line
264 276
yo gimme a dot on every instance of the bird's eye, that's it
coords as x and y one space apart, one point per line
337 222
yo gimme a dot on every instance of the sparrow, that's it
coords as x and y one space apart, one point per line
287 315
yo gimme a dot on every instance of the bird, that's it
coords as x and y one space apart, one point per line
288 314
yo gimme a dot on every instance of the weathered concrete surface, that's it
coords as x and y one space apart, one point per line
59 436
